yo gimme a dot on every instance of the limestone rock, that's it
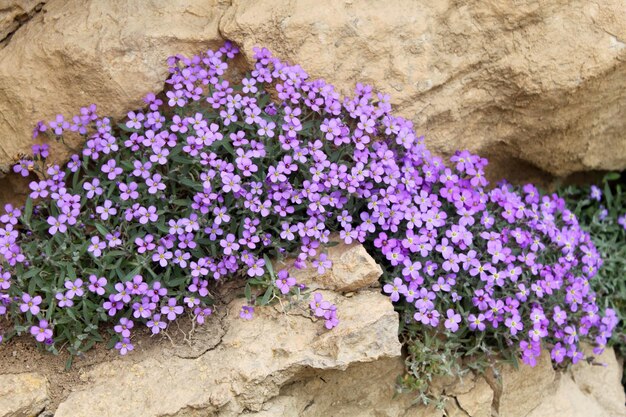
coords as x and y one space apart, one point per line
601 381
14 14
569 401
535 86
353 268
76 52
23 395
252 362
478 401
364 390
517 392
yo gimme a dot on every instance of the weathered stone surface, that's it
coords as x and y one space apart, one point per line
569 401
364 390
250 365
23 395
14 13
77 52
602 383
528 84
517 392
353 268
538 87
477 402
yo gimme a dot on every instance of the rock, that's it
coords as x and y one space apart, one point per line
353 268
517 392
602 383
249 366
14 14
477 402
569 401
538 87
76 52
23 395
353 392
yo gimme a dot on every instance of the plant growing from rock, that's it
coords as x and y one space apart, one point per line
214 179
601 211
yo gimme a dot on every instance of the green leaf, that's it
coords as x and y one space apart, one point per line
103 231
266 297
28 210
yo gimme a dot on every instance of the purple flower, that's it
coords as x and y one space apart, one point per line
398 287
256 268
124 327
96 246
75 288
30 304
111 169
57 224
171 309
39 189
162 256
453 320
41 332
284 281
596 193
106 210
124 346
148 215
476 322
156 325
97 284
246 312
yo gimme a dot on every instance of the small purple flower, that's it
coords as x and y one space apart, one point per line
57 224
246 312
395 289
96 246
124 327
171 309
453 320
30 304
156 325
284 281
96 285
41 332
124 346
106 210
74 288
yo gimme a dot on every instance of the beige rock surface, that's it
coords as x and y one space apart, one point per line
517 392
538 87
352 269
76 52
23 395
14 13
535 86
252 362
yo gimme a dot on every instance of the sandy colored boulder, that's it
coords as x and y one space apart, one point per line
518 391
538 87
76 52
569 401
23 395
602 382
249 366
352 269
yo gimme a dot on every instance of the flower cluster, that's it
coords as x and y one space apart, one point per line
601 212
213 179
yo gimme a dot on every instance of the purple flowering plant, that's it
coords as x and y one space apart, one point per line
601 211
213 179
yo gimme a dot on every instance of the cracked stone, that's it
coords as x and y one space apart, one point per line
23 395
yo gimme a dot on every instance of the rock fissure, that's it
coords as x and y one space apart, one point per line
17 17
